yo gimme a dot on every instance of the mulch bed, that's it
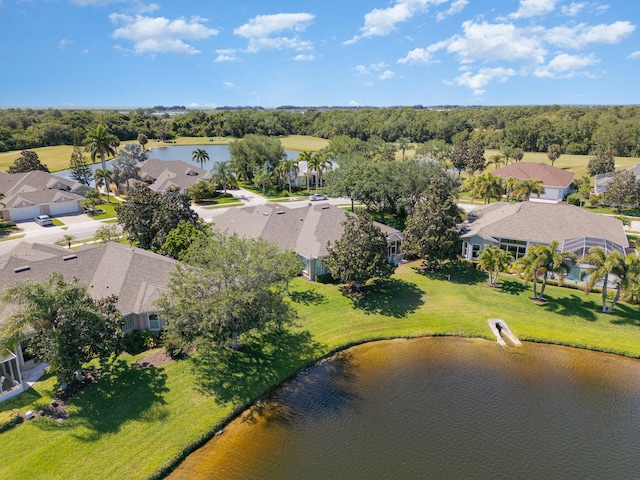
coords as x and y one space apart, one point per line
156 359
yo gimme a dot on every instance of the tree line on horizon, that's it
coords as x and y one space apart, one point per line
576 129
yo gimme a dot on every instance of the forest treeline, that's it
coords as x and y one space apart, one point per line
578 130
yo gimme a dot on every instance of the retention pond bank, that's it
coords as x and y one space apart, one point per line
439 408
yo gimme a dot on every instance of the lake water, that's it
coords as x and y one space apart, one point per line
217 153
441 408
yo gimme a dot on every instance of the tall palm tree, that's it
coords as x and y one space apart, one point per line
291 168
318 163
495 160
507 153
602 265
101 143
305 156
528 187
487 186
553 153
222 175
510 186
553 261
200 155
494 260
529 267
102 177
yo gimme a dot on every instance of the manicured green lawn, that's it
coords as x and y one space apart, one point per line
134 422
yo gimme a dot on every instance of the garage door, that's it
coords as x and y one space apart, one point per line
62 208
24 213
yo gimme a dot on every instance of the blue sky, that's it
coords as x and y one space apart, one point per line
203 54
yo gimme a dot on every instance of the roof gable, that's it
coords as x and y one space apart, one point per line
551 176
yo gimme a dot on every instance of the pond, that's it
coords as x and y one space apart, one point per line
217 153
439 408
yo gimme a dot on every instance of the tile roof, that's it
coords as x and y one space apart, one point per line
552 176
542 223
136 276
306 230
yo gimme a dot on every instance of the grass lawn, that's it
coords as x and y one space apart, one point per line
133 422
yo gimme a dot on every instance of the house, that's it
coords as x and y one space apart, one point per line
601 181
516 226
305 230
27 195
556 182
137 277
162 175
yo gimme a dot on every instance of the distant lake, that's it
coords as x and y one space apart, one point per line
217 153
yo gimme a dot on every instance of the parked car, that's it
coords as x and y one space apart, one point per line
317 196
43 220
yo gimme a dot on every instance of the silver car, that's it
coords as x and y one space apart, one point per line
43 220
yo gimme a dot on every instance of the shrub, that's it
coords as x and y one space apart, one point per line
8 419
595 200
139 341
573 199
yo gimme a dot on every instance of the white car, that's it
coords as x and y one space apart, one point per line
43 220
318 196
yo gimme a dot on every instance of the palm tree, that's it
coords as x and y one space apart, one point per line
553 152
510 187
529 186
487 186
100 142
102 177
626 269
403 145
529 267
507 153
66 239
305 156
495 160
553 261
200 155
222 175
291 167
318 163
494 260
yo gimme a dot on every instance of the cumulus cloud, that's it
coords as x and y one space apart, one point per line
386 75
419 56
304 58
227 55
160 35
361 69
456 7
480 80
534 8
635 54
565 66
262 31
383 21
581 35
64 43
228 85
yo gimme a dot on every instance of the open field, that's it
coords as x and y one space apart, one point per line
57 158
133 422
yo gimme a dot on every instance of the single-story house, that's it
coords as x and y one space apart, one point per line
556 182
162 175
305 230
27 195
137 277
601 181
515 226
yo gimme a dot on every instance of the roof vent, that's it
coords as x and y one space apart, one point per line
326 207
21 269
280 212
69 257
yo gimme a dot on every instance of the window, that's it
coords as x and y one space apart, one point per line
465 249
128 323
154 321
517 248
475 251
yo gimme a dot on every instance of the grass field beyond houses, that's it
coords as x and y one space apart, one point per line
133 422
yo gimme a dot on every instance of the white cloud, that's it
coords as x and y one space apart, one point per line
565 66
304 58
378 66
84 51
581 35
635 54
362 70
259 31
64 43
353 103
161 35
456 7
573 9
383 21
386 75
494 42
226 55
228 85
534 8
419 56
480 80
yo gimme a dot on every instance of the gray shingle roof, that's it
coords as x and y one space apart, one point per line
542 223
36 188
136 276
165 174
306 230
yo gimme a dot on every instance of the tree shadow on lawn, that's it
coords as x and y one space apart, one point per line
307 297
390 297
627 315
265 360
454 273
123 392
512 287
572 305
